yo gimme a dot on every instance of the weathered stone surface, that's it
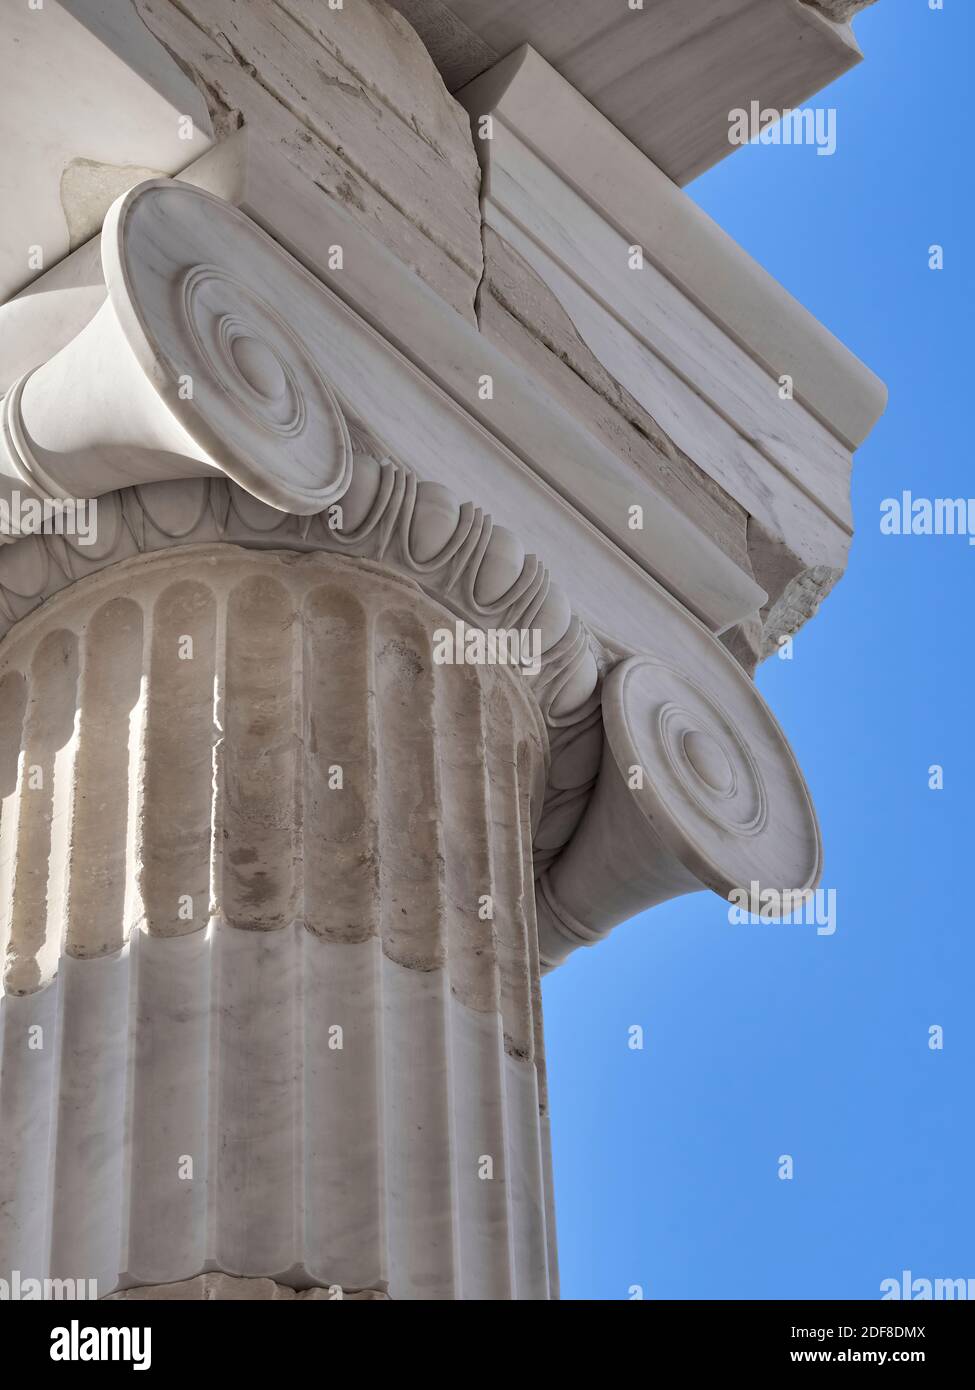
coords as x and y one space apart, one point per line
795 588
351 97
235 818
458 51
599 274
518 311
297 858
745 641
89 188
665 72
840 11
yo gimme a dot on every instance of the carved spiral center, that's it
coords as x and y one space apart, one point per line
259 366
709 761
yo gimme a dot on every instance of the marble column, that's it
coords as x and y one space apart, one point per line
276 884
271 986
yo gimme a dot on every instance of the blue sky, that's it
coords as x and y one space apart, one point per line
767 1040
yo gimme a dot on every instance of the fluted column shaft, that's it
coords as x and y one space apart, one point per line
271 1001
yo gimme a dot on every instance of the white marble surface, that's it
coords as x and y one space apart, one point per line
190 367
665 72
310 1166
698 789
60 60
197 905
577 187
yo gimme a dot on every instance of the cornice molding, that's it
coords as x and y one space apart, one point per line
534 105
